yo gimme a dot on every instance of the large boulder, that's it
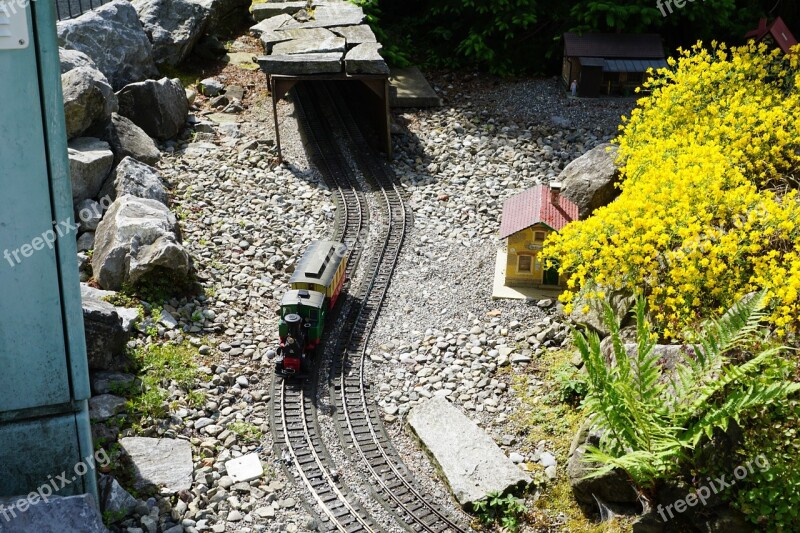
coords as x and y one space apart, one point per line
589 181
112 35
72 59
90 161
137 179
138 238
589 312
106 330
614 489
174 27
160 107
88 99
128 140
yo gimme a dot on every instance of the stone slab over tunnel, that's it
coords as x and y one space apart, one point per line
369 90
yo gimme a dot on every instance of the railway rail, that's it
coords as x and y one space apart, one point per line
294 420
358 422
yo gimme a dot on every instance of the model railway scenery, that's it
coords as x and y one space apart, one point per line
433 266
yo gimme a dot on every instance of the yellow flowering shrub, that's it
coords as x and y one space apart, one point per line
708 209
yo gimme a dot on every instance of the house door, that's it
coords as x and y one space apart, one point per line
551 276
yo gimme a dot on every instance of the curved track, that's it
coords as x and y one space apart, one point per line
294 426
358 423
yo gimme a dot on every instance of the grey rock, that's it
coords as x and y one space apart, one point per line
137 237
594 317
113 37
104 382
137 179
471 462
270 24
72 59
267 10
589 180
355 35
129 140
365 59
106 337
174 26
211 87
113 498
612 488
158 107
105 406
149 523
160 462
88 214
336 14
71 514
90 161
85 241
309 41
297 64
88 99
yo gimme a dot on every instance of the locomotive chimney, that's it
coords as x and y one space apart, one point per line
555 192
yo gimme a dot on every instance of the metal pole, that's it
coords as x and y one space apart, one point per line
273 88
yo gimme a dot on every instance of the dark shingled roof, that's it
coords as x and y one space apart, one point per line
533 206
614 45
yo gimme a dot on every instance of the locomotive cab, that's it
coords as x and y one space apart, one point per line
300 329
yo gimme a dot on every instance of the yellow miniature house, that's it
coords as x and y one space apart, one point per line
528 218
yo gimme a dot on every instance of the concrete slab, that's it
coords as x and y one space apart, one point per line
338 14
355 35
160 462
271 9
473 465
71 514
245 468
270 24
501 291
409 88
309 41
365 59
302 64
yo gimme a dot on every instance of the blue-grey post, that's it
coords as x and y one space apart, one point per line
44 384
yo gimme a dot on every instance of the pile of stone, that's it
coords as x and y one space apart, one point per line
328 38
120 200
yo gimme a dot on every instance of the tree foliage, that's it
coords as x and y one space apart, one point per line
512 36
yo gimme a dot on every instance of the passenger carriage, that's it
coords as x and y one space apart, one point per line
315 287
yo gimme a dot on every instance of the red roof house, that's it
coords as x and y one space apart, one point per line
777 33
528 218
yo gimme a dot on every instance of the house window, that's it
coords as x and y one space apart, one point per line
524 263
538 236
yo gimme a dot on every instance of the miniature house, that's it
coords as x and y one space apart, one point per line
610 63
528 218
774 34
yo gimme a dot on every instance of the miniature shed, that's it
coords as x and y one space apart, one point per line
610 63
528 218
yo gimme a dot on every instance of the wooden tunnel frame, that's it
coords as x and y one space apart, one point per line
280 85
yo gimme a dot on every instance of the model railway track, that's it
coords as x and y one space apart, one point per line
360 424
294 420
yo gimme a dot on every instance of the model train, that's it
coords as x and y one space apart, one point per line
315 286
